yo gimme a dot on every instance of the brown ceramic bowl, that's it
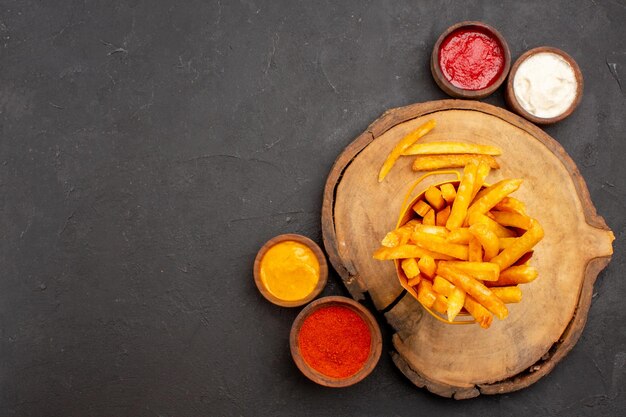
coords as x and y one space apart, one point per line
446 85
320 258
516 106
375 346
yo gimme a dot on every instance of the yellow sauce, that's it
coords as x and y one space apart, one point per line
290 270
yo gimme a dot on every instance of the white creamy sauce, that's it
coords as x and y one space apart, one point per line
545 85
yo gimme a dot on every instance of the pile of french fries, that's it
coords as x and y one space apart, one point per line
466 247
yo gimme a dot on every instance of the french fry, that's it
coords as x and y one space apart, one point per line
425 293
514 275
488 239
413 282
440 245
402 146
443 286
421 208
505 242
508 294
484 271
441 304
481 174
475 250
455 296
391 239
401 235
441 218
475 288
482 316
406 251
434 197
463 196
493 195
429 218
522 244
455 303
448 192
434 162
432 230
410 268
427 266
506 218
461 235
495 227
511 204
442 148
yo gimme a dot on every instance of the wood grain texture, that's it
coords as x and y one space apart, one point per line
463 361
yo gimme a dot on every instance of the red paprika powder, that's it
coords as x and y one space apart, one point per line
335 341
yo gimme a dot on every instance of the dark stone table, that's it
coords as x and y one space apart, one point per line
148 150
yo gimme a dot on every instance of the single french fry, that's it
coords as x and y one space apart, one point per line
391 240
421 208
448 192
410 268
492 195
434 197
441 218
481 174
401 235
514 275
484 271
495 227
443 286
429 218
487 239
440 245
406 251
506 218
463 196
402 146
427 266
522 244
413 282
442 148
455 303
482 316
441 304
505 242
475 250
434 162
508 294
461 235
475 288
432 230
511 204
425 293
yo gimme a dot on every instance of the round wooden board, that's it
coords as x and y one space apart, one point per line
464 361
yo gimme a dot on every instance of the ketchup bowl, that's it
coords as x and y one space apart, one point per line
470 60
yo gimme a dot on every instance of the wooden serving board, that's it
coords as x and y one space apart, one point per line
462 361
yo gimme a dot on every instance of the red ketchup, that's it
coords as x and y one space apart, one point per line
471 59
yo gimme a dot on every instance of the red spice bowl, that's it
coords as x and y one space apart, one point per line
335 342
470 60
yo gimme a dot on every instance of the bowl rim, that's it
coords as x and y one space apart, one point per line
451 89
510 90
375 344
321 283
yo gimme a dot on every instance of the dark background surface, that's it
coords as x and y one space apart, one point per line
149 149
